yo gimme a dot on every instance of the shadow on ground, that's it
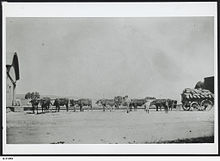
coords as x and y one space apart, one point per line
205 139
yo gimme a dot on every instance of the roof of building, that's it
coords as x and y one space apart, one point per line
12 61
211 77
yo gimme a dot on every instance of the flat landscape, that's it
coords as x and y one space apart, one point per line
116 127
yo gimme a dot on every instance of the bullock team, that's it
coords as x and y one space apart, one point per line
110 104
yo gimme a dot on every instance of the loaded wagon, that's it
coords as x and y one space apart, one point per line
197 99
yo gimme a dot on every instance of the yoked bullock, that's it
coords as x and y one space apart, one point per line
81 103
168 104
44 102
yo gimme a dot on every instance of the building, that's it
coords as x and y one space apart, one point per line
12 76
209 83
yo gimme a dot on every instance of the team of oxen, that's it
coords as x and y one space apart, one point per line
118 102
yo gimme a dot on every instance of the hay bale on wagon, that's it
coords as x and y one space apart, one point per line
200 99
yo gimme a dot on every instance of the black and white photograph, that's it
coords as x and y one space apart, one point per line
110 80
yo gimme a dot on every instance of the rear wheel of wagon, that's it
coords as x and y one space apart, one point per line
195 105
207 105
201 108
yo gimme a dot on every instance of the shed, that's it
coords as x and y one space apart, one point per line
209 83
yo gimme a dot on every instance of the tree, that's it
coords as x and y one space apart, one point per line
36 95
27 95
32 95
199 85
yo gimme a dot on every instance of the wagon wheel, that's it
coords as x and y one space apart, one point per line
195 105
186 108
207 105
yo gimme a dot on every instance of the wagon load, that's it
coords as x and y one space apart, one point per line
200 99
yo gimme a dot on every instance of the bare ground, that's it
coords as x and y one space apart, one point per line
116 127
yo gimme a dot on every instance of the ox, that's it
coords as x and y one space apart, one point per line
126 102
118 101
106 102
34 103
166 103
172 104
137 102
158 103
81 103
61 102
45 103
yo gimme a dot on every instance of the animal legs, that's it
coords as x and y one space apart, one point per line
103 106
67 107
166 109
37 109
135 108
33 109
128 108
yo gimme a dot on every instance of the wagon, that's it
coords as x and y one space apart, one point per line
197 99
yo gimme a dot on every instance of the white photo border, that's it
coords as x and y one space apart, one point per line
169 9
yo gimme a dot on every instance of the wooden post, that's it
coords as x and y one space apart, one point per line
13 95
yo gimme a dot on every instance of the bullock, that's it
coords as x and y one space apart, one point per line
137 102
168 104
171 104
73 103
127 102
159 103
34 103
106 102
45 103
61 102
118 101
81 103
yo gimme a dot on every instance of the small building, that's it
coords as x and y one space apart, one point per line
12 76
209 83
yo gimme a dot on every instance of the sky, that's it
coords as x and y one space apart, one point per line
100 57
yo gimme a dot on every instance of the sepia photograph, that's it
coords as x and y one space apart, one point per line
110 80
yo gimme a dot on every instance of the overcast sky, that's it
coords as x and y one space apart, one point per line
106 57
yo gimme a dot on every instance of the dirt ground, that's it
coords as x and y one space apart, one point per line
116 127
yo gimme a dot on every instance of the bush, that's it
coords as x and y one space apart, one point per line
32 95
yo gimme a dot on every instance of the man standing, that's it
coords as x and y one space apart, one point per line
127 102
147 106
166 106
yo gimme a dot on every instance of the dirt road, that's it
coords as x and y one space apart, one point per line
117 127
